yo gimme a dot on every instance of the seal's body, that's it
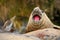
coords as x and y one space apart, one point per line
46 34
12 36
40 22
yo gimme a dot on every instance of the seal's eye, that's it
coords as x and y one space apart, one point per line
42 11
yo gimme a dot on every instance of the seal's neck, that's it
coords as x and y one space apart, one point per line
46 21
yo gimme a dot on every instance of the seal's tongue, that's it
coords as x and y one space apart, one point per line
36 18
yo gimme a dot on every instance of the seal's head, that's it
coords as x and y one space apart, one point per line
35 20
37 14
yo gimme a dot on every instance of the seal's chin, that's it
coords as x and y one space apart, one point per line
36 17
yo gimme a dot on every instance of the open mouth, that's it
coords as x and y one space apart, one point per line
36 17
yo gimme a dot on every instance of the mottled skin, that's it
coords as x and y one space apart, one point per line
12 36
43 23
46 34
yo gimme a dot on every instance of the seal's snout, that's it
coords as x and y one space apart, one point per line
36 8
36 14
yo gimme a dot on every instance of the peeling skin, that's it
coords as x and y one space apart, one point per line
45 34
43 23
